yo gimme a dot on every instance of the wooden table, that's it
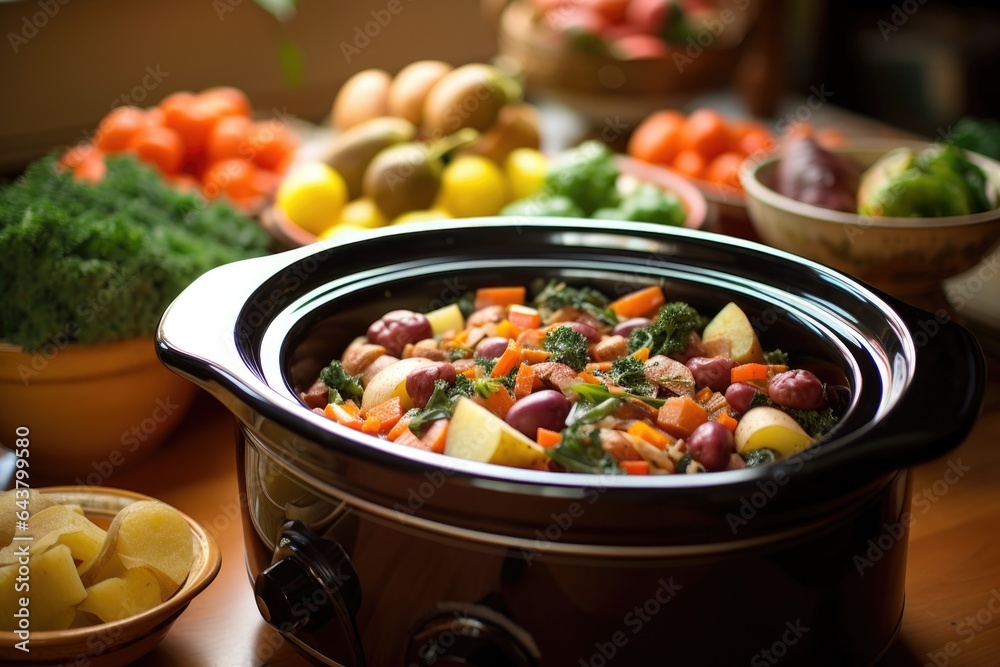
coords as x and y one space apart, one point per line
952 612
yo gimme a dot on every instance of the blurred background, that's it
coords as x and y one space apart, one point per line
918 65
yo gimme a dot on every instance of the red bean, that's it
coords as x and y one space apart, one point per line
397 328
420 383
739 395
798 389
547 408
711 444
491 347
626 327
711 372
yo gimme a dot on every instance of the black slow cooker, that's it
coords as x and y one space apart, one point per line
365 553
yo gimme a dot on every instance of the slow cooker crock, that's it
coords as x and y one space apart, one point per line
365 553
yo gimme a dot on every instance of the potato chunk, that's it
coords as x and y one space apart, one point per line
120 597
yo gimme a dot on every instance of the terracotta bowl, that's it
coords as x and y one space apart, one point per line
120 642
902 256
89 408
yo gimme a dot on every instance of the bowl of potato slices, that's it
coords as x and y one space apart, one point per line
95 575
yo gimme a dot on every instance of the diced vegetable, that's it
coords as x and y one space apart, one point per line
731 330
499 296
680 416
769 427
639 303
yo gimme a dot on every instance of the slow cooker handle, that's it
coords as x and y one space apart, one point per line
936 411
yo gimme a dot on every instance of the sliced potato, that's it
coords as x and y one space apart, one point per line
59 524
476 434
120 597
11 504
770 427
390 382
731 331
448 318
56 589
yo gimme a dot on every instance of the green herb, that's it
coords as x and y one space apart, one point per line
628 372
544 206
342 386
586 175
440 405
776 358
580 450
97 263
555 295
759 457
460 352
682 466
668 334
816 423
648 203
567 346
596 393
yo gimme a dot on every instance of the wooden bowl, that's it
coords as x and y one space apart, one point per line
119 642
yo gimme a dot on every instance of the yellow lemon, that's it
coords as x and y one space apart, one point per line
421 215
363 212
312 196
472 185
525 169
343 232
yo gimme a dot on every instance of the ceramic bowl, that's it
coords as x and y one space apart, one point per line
120 642
903 256
89 407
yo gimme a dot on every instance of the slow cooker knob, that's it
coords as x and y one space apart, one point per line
453 640
280 590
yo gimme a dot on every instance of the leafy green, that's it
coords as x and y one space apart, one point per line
586 175
555 295
759 457
567 346
342 386
628 373
776 357
440 405
550 206
682 465
668 334
979 135
816 423
97 263
597 393
648 203
579 449
486 386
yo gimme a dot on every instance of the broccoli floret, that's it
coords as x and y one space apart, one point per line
816 423
342 386
550 206
776 357
759 457
628 373
567 347
586 174
669 332
555 295
647 204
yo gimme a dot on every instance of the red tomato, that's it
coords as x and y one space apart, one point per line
230 138
657 138
160 146
233 100
118 126
270 144
234 178
725 170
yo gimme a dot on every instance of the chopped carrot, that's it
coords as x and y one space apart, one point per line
635 467
470 372
647 433
408 439
727 421
703 394
435 435
342 414
499 296
534 356
508 361
507 329
403 425
524 317
641 302
588 377
498 402
387 413
372 425
598 366
642 354
747 372
524 381
548 438
680 416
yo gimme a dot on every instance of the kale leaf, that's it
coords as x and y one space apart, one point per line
342 386
668 334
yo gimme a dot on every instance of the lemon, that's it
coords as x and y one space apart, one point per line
525 169
362 212
312 196
343 232
472 185
421 215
